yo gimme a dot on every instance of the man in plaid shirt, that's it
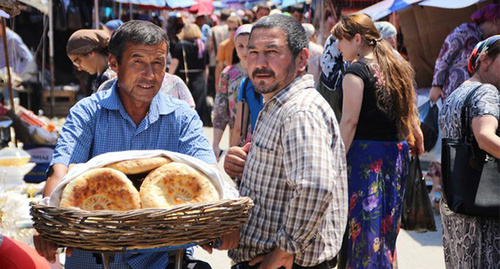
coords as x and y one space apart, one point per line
295 168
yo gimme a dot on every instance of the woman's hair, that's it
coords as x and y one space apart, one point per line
395 93
87 40
190 31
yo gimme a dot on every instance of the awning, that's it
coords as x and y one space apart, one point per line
386 7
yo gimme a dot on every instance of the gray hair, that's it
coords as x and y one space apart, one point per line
136 32
293 30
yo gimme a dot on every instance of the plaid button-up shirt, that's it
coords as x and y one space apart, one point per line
296 175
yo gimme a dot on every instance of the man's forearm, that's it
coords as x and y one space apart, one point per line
58 171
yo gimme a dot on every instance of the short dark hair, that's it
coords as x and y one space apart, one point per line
294 32
136 32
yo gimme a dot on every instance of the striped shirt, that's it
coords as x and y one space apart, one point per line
296 175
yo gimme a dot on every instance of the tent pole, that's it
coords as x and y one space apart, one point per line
51 58
7 63
96 14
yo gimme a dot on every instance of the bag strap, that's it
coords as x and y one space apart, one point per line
464 117
185 62
244 114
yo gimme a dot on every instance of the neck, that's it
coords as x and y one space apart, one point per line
135 109
242 65
102 65
479 78
366 52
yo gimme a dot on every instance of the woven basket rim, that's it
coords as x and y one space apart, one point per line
115 231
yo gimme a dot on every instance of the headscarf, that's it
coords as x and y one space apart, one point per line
386 29
480 48
243 29
87 40
486 13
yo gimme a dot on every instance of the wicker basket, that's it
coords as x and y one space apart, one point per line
140 229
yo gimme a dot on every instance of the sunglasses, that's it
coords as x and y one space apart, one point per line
233 29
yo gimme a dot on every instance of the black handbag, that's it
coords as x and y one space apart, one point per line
470 177
417 211
429 124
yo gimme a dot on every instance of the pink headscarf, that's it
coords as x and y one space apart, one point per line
486 13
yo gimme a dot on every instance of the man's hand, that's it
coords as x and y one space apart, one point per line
234 163
229 241
276 259
418 148
47 248
435 93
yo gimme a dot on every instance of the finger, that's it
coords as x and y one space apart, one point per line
246 147
207 248
69 251
257 260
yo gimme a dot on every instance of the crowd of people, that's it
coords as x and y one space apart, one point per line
320 136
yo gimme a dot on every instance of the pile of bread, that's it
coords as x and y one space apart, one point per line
155 182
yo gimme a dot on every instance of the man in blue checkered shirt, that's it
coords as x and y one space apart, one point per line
132 115
295 169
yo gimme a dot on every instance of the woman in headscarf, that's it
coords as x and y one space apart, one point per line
472 241
88 50
227 91
190 63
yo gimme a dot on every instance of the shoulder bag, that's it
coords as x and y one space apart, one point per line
471 178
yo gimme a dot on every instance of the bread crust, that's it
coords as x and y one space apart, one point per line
176 184
138 166
101 189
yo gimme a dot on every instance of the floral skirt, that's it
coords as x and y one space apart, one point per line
376 173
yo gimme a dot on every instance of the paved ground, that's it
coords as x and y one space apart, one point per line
415 250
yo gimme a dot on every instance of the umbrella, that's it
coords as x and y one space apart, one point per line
203 7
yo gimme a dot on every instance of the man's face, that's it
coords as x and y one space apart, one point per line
261 12
140 72
270 64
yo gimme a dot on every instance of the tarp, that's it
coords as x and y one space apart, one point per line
160 3
424 30
386 7
42 5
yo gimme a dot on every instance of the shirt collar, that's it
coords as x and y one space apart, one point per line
159 105
298 84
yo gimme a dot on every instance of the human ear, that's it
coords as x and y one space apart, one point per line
113 63
302 60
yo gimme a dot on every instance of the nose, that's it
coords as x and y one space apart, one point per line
149 72
261 60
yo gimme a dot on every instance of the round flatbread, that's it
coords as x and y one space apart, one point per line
176 184
101 189
138 166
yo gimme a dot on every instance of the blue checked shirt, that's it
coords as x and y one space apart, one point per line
296 175
100 124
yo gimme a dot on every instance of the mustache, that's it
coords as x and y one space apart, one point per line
259 71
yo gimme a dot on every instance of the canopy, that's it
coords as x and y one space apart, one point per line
42 5
161 3
386 7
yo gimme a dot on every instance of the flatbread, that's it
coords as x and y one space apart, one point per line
176 184
138 166
101 189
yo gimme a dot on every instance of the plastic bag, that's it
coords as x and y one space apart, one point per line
417 211
429 123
